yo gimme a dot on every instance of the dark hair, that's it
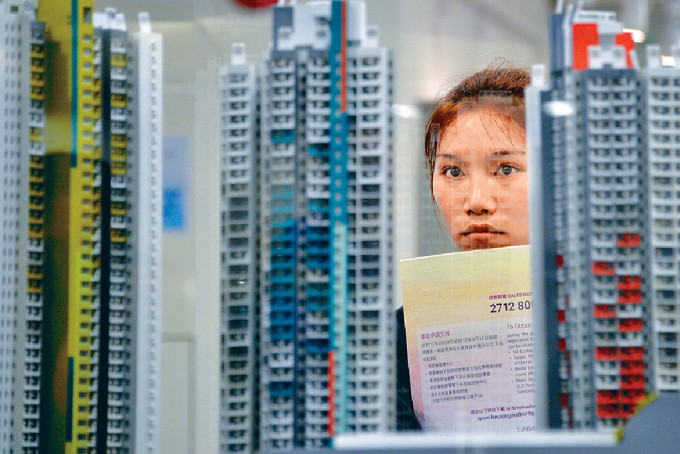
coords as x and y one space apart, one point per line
497 88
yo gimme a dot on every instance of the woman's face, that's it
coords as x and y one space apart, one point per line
480 180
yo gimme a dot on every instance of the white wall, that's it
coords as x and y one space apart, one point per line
432 41
436 40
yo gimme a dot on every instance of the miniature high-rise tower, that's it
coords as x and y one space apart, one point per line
144 140
660 89
327 212
80 287
600 139
72 227
594 162
325 192
239 270
22 122
100 342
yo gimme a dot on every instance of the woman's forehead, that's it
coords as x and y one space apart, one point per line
500 115
483 129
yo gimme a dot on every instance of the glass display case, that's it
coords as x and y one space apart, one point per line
206 202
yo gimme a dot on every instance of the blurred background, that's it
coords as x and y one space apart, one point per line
435 43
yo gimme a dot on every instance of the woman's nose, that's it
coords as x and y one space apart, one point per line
481 198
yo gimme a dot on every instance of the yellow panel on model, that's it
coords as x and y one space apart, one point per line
73 106
36 182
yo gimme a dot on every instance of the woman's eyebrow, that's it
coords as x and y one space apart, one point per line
451 157
502 153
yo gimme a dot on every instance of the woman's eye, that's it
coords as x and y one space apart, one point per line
506 169
453 171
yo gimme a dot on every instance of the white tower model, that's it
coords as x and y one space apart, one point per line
239 266
22 123
145 99
661 92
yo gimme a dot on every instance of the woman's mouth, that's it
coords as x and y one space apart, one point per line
481 230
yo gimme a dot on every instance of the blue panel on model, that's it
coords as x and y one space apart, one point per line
319 289
75 109
282 194
318 151
280 266
317 234
339 131
314 305
318 262
280 389
282 208
282 250
318 205
317 346
283 136
282 280
338 121
278 334
282 301
315 248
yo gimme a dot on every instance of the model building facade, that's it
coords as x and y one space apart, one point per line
70 284
317 160
240 265
660 90
604 257
22 176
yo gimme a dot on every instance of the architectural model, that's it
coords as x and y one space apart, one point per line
605 154
81 230
307 233
240 264
22 86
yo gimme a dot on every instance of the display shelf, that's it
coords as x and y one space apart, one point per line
654 429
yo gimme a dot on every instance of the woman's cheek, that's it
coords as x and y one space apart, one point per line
516 197
441 193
